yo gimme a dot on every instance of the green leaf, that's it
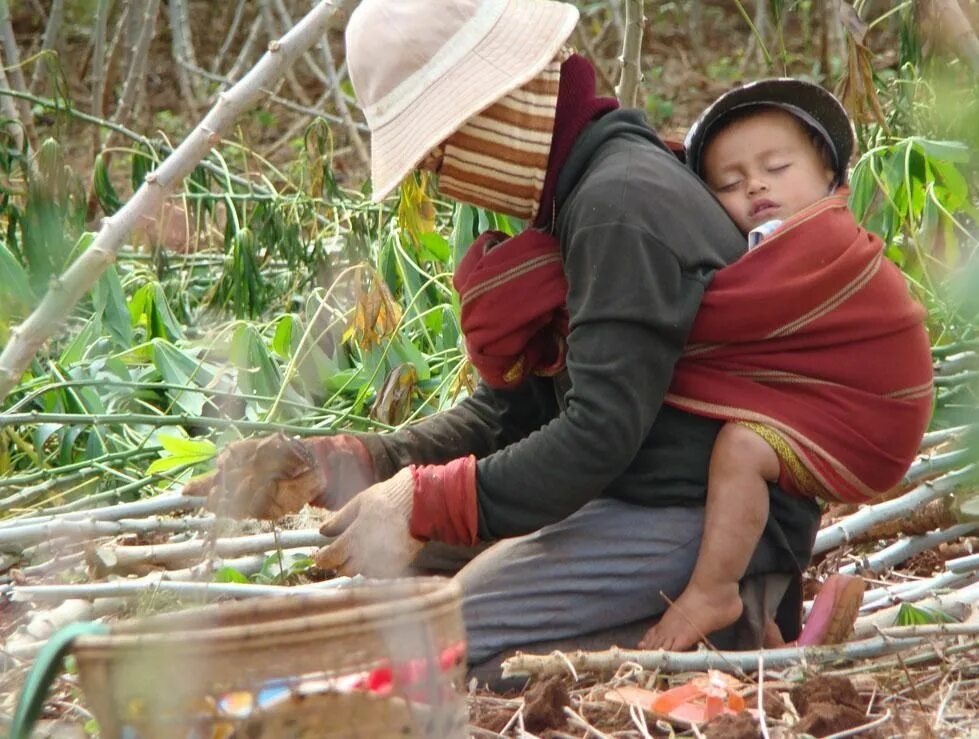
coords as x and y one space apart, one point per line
405 351
105 193
177 368
949 151
180 446
75 351
282 340
951 188
257 373
862 189
910 615
16 298
148 307
435 248
464 231
113 308
230 574
182 452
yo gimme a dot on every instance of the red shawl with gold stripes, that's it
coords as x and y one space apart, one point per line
514 311
813 334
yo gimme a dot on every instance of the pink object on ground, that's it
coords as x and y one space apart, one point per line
834 611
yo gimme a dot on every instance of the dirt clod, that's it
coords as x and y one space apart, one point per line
544 705
827 705
742 726
824 689
824 718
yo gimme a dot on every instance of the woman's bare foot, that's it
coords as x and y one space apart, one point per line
696 613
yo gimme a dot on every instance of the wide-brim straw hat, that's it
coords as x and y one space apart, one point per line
421 68
809 102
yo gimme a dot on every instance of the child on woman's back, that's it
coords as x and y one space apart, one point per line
768 151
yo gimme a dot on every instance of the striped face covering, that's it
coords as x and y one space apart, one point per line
498 159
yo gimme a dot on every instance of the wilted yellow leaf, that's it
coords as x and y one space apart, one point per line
416 212
376 313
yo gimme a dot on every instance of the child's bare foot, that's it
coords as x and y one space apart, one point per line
696 613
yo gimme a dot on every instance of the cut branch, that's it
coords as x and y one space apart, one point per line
155 583
906 548
21 536
167 555
890 641
66 291
161 504
839 533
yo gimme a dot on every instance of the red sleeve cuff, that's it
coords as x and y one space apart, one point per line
444 502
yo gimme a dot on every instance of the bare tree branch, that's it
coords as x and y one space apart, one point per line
16 75
182 51
51 31
342 107
628 88
9 110
99 67
229 36
137 70
955 29
895 639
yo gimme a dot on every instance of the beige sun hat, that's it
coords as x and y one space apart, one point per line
421 68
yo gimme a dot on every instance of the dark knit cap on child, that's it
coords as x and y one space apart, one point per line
816 108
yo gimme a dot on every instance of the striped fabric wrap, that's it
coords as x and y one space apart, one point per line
498 158
813 340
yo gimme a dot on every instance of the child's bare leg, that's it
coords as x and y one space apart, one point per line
741 463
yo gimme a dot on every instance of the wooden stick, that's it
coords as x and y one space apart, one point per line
160 504
156 582
838 533
913 591
27 338
21 536
950 604
120 557
907 547
890 641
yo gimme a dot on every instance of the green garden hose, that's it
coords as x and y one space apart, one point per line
46 666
